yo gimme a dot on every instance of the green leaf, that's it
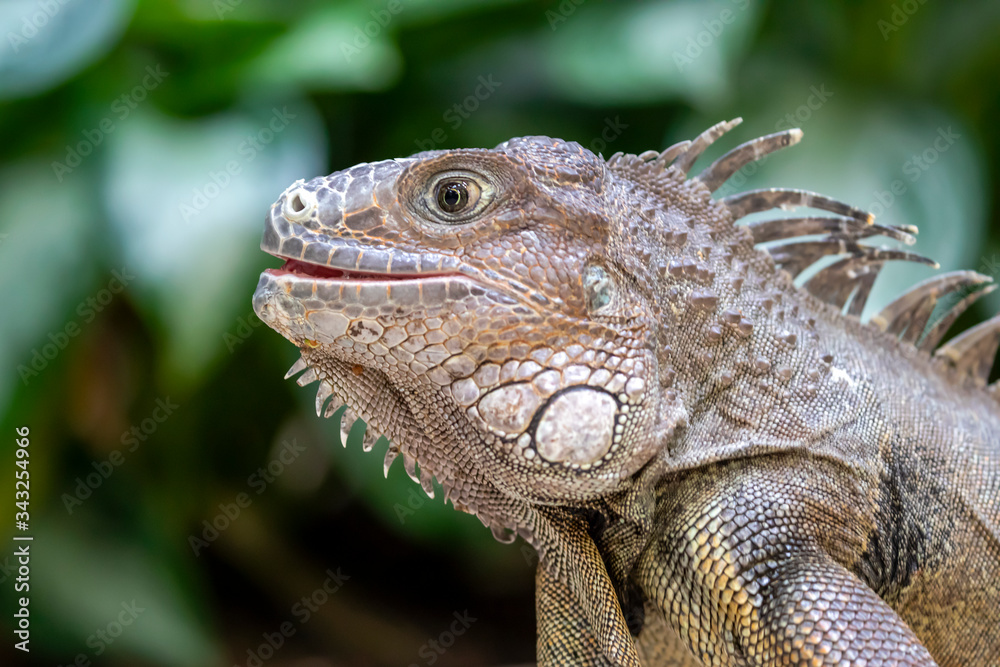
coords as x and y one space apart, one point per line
47 261
50 41
336 48
602 54
92 585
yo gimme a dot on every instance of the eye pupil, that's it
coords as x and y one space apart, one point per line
453 196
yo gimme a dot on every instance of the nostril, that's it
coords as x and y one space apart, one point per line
299 205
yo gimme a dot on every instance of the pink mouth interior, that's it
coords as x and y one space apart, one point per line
299 268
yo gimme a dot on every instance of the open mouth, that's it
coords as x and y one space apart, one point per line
307 270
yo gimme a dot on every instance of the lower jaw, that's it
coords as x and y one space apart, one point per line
411 292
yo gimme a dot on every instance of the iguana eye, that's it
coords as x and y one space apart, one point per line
455 197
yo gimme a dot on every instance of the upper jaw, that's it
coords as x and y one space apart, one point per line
292 240
341 222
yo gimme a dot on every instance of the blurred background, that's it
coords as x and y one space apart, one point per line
187 507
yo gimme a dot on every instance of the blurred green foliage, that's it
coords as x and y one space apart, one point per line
143 141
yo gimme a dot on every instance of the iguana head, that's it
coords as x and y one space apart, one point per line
492 291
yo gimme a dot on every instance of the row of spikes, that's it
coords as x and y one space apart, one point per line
326 408
849 280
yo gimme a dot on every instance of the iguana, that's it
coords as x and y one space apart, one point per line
715 466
